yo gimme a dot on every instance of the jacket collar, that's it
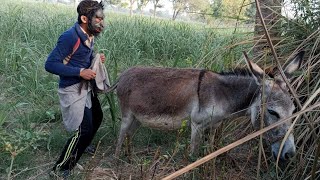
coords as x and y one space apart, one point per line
84 37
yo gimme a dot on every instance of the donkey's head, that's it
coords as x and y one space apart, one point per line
277 103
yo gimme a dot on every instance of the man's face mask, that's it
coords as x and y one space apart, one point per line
96 23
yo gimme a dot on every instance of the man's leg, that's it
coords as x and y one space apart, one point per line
97 117
76 145
97 114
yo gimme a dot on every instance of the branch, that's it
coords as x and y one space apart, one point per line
235 144
280 68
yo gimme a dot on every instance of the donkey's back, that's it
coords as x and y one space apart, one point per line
158 97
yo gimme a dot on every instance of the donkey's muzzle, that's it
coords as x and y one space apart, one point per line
285 156
288 149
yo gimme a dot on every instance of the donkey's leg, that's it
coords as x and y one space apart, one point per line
134 125
127 120
197 123
196 136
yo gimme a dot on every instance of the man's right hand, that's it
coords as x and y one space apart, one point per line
87 74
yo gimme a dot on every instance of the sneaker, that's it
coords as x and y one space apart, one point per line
63 174
90 150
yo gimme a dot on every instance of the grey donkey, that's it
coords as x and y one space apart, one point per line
162 98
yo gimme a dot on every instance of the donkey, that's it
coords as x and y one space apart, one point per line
162 98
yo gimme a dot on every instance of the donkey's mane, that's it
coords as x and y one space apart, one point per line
237 72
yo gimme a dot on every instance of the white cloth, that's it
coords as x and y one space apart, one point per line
72 104
73 100
102 79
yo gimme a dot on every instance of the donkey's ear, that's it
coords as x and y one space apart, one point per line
294 65
255 70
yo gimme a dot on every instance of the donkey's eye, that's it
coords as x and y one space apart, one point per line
273 113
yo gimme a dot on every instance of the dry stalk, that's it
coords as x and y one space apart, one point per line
279 65
235 144
310 124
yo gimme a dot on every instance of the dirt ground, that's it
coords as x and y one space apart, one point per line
155 162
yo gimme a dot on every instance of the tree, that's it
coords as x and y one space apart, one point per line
178 6
142 4
229 8
250 13
188 6
271 13
156 4
217 8
113 2
131 6
307 15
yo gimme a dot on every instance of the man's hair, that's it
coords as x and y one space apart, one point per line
88 8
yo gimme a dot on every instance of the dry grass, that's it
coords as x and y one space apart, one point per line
32 114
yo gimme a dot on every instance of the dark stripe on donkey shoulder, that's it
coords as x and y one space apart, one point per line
201 75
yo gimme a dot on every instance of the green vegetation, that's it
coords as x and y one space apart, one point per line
31 132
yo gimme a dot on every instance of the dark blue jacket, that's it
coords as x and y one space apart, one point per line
70 73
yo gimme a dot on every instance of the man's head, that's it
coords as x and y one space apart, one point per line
90 14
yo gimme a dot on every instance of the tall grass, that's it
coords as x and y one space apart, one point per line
30 122
29 111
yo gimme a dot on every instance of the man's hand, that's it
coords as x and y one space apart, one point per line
87 74
102 57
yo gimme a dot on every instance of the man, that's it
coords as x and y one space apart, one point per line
71 59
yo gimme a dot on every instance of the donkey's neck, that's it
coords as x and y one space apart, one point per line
238 93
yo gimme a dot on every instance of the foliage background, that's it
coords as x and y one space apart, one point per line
31 133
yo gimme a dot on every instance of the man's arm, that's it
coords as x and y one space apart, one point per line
64 47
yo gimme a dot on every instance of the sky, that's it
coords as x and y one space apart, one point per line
287 9
167 6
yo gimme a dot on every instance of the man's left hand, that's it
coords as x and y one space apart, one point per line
102 57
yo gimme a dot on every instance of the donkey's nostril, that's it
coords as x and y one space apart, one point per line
284 157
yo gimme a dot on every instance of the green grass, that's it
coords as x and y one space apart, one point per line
30 121
31 132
